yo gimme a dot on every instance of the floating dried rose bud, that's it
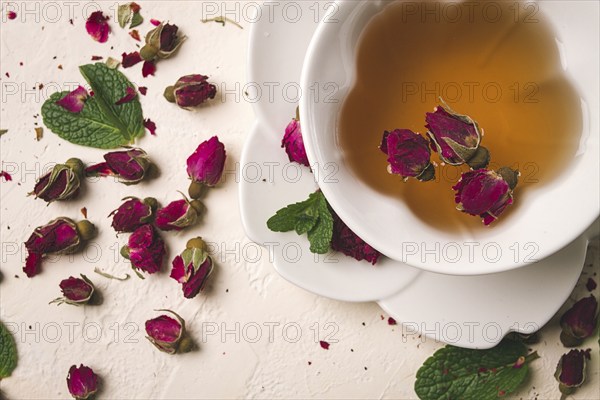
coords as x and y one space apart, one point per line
130 94
133 213
61 235
486 193
579 322
130 59
457 138
161 42
408 154
168 334
75 100
347 242
145 249
190 91
149 68
192 268
82 382
129 166
62 183
97 26
76 291
294 144
570 371
178 215
205 166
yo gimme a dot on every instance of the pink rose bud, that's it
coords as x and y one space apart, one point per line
82 382
62 183
129 166
294 144
408 155
205 166
168 334
60 236
145 249
75 100
133 213
178 215
486 193
190 91
348 242
161 42
192 268
76 291
579 322
570 371
97 26
457 138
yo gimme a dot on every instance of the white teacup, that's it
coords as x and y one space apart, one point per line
548 218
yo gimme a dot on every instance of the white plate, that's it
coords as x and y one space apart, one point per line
474 312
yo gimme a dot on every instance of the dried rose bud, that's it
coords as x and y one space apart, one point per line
129 166
97 26
579 322
60 236
75 100
145 249
82 382
168 334
348 242
76 291
178 215
408 154
161 42
570 371
62 183
205 166
294 144
192 268
190 91
485 193
133 213
457 138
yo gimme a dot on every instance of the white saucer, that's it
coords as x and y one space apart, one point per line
466 311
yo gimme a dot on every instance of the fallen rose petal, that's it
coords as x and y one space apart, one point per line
151 126
130 59
135 7
143 90
7 177
130 94
135 34
96 58
294 144
392 321
75 100
11 15
149 68
97 26
155 22
590 284
324 344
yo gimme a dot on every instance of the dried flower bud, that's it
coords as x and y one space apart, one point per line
76 291
60 236
205 166
294 144
192 268
62 183
145 249
346 241
178 215
579 322
168 334
133 213
408 154
161 42
570 371
82 382
129 166
190 91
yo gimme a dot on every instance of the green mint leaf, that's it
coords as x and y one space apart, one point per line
136 20
101 123
312 217
8 352
466 374
124 14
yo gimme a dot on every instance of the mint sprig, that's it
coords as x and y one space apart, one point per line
8 352
456 373
312 217
101 123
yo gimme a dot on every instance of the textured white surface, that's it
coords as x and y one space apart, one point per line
367 358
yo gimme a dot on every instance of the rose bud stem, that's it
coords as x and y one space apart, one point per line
86 230
197 190
170 94
481 158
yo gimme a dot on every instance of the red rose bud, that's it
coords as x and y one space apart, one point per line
579 322
570 371
129 166
347 242
75 100
408 154
456 138
294 144
97 26
82 382
205 166
190 91
133 213
76 291
161 42
485 193
178 215
192 268
60 236
62 183
145 249
168 334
